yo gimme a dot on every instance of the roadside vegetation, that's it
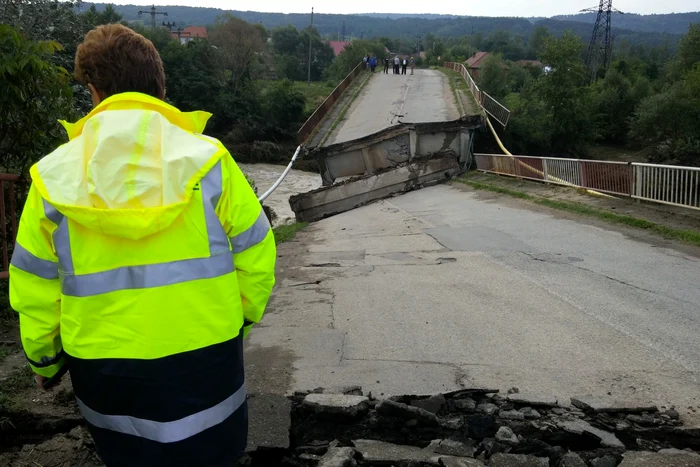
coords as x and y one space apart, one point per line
287 233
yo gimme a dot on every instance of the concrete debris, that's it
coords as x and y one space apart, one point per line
598 404
518 460
511 415
663 458
433 404
534 400
460 462
530 413
488 408
338 457
452 447
335 406
469 429
579 427
465 404
572 459
605 461
506 436
379 451
397 409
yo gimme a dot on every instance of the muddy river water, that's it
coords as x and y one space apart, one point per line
296 182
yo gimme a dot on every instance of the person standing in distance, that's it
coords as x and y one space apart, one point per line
143 259
386 65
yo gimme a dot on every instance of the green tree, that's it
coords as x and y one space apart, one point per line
668 122
285 40
352 56
553 115
564 92
36 93
240 45
688 54
109 15
538 40
493 77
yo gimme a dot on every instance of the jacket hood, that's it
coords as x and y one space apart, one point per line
130 167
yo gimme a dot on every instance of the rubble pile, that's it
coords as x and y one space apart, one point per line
481 427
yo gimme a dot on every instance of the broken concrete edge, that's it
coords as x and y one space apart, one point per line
391 132
591 403
453 429
336 199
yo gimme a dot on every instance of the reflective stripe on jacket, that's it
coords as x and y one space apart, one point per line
142 250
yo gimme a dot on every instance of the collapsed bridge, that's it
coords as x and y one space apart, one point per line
381 134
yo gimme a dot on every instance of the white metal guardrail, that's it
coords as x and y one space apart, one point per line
490 105
675 186
495 109
667 184
461 69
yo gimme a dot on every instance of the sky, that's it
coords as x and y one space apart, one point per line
524 8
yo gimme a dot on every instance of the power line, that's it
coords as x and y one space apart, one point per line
153 12
311 41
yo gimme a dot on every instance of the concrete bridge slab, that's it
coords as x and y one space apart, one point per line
389 99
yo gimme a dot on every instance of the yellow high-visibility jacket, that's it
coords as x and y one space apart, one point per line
141 244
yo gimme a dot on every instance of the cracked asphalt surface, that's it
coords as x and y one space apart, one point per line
441 288
390 99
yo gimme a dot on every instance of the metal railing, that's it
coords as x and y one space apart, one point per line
495 109
462 70
490 105
310 125
676 186
8 219
667 184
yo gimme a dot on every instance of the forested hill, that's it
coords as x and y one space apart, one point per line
676 23
650 30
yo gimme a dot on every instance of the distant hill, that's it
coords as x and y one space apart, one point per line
637 29
676 23
404 15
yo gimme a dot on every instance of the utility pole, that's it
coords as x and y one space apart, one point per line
153 12
308 83
178 30
601 40
343 31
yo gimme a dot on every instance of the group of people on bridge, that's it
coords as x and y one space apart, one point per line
400 65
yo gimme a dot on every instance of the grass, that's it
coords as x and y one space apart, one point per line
286 233
687 236
314 94
458 83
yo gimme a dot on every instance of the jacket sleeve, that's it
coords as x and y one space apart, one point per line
35 290
252 241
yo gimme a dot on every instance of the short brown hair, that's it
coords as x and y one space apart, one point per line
116 59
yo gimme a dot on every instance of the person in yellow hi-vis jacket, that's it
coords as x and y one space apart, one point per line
143 258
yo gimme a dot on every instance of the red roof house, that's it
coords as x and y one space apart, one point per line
477 60
339 46
190 33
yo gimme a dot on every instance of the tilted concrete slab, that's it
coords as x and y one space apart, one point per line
395 146
326 202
